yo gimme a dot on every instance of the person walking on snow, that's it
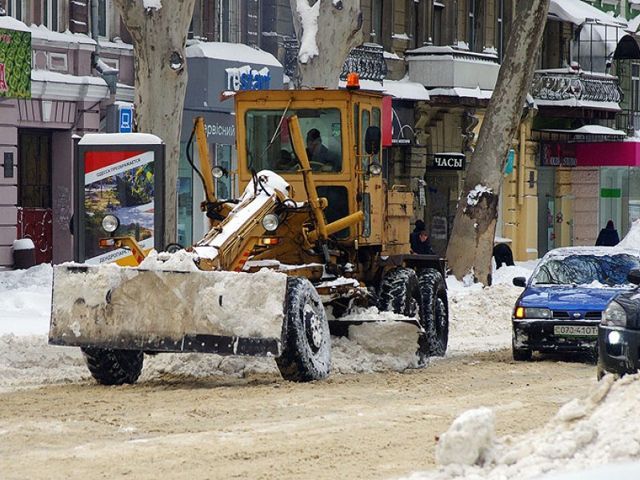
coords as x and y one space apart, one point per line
608 236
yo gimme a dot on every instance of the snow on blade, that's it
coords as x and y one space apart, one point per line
26 360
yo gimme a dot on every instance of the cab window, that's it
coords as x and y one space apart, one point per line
269 145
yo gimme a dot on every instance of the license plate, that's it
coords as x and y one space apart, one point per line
575 330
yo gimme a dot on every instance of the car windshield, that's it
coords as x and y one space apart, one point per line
269 143
608 270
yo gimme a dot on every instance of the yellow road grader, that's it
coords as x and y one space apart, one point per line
317 231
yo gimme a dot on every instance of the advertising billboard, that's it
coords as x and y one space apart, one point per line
15 64
126 181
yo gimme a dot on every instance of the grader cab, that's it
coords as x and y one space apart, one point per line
318 225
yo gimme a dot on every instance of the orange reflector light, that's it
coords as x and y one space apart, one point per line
270 241
106 242
519 312
353 81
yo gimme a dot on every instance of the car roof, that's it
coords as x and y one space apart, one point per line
589 250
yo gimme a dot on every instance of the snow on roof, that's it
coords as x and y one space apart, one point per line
461 92
11 23
401 89
43 33
627 248
120 139
578 12
236 52
450 50
634 23
590 130
49 76
574 102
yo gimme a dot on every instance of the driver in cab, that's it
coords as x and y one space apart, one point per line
318 154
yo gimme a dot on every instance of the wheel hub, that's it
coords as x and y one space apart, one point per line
313 326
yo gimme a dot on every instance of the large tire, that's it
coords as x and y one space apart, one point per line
436 312
400 293
306 342
113 367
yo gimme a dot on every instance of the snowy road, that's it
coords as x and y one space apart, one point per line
381 425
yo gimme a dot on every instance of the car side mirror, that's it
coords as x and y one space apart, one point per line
372 139
634 276
522 281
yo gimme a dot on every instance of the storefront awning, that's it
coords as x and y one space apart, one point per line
589 130
608 154
578 12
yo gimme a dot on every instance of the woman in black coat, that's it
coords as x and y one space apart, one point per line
608 236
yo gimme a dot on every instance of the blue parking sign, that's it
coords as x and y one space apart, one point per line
125 123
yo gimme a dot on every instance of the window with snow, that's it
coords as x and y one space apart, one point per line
438 16
50 15
16 9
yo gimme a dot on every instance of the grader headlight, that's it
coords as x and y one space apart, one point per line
270 222
375 169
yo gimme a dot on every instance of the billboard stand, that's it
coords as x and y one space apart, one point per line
119 174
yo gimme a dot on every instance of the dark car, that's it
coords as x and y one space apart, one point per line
561 306
619 333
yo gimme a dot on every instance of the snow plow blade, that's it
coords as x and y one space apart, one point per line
112 307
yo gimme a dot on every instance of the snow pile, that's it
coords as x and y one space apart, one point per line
631 239
479 316
468 440
602 428
25 300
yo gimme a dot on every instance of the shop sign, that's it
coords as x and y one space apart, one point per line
449 161
15 64
246 78
610 193
558 155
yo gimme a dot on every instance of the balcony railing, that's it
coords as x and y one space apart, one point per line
628 121
367 60
575 88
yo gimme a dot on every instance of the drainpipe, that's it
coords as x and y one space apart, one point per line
109 75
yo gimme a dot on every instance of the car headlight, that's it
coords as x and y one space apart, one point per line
270 222
532 312
110 223
614 315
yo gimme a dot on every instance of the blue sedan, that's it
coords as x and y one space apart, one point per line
562 303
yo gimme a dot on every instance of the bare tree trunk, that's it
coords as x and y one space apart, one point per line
159 39
471 245
327 30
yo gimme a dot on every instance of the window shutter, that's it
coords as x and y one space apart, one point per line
79 16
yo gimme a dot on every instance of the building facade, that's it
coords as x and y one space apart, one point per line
571 168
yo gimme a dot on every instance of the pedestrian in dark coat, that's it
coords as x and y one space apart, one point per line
422 244
413 236
608 236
